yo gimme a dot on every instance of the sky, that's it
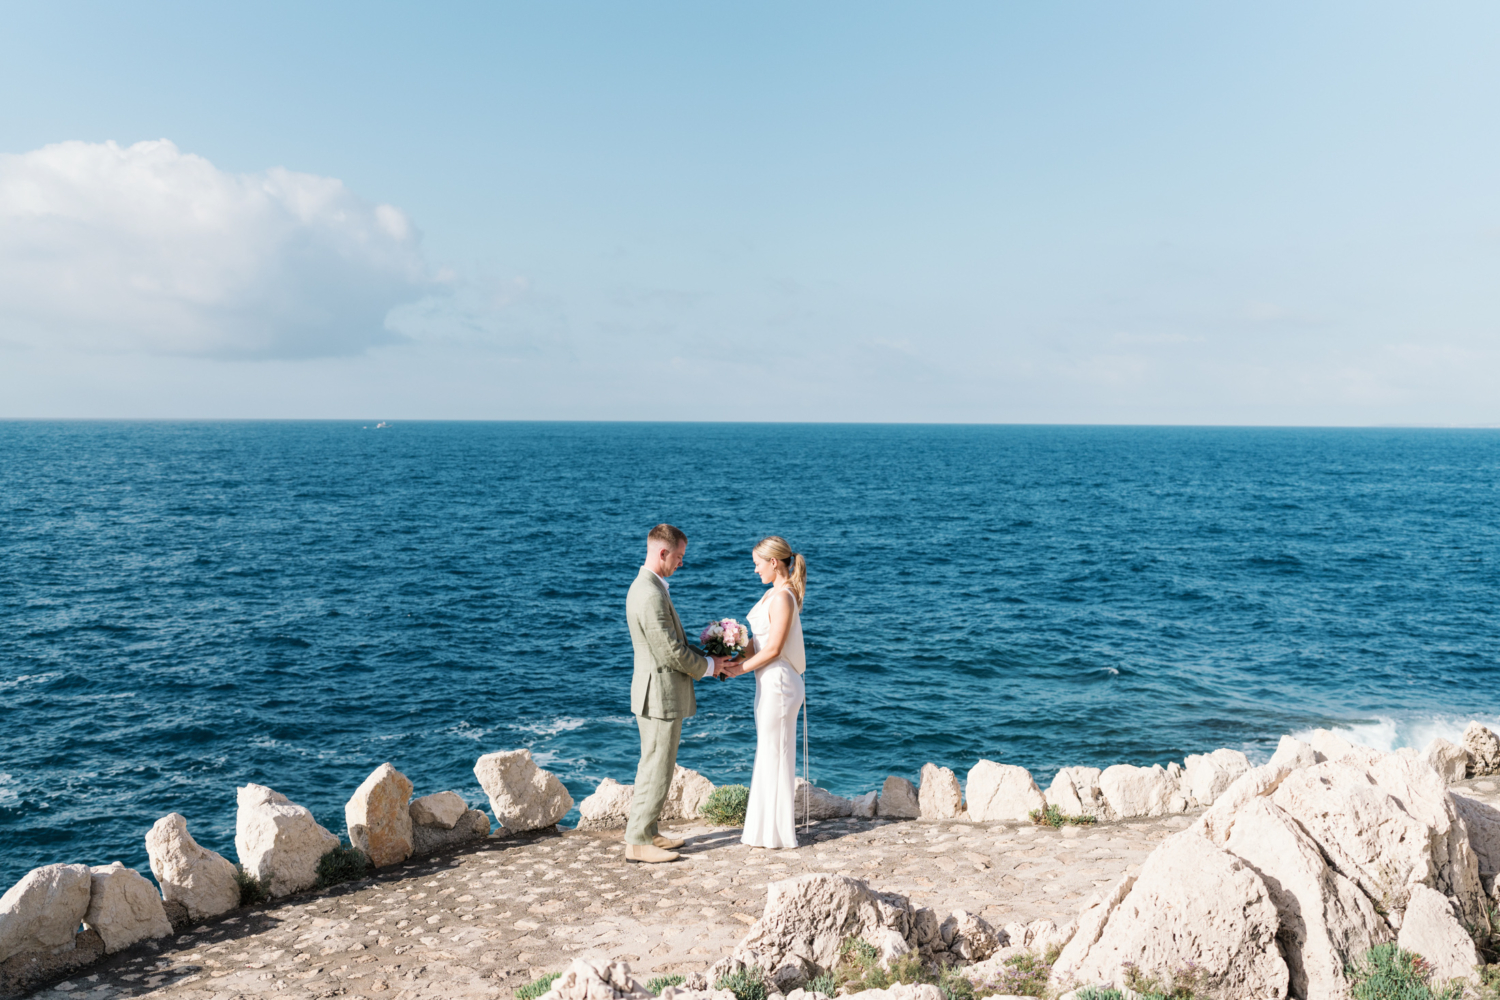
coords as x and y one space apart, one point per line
1158 213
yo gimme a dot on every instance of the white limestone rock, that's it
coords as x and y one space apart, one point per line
442 810
472 825
1208 775
686 795
1484 750
1387 825
1191 902
378 816
1139 791
808 918
1326 922
1431 928
278 841
201 880
1001 792
1451 762
1075 791
899 991
599 979
124 907
609 807
1293 753
41 913
863 806
1483 824
818 803
522 795
939 796
1331 746
968 937
898 800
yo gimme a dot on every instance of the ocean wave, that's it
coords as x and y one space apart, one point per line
552 728
1387 733
8 795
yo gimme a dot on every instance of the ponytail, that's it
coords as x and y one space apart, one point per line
797 578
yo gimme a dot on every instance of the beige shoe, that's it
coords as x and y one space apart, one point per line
667 843
648 853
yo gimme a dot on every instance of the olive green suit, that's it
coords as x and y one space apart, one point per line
661 696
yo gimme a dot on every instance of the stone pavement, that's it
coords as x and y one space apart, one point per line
483 921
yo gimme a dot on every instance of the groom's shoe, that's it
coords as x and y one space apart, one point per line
648 853
667 843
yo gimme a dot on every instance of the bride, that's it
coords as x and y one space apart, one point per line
778 663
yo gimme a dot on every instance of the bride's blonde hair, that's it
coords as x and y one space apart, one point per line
776 547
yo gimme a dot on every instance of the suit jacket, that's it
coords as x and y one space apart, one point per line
665 666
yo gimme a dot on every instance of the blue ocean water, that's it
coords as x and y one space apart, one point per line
185 607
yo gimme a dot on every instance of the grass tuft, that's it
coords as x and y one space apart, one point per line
1098 993
859 969
726 805
1053 816
747 984
1024 975
537 987
826 984
252 890
660 983
342 864
1388 972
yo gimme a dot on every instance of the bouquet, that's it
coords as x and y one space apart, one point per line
725 637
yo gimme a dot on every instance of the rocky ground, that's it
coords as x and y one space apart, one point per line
484 921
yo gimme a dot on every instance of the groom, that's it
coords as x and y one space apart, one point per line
661 690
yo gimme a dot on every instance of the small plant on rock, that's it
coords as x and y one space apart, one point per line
342 864
726 805
1024 975
1053 816
1388 972
1180 985
1098 993
826 984
746 984
537 987
954 985
662 982
252 890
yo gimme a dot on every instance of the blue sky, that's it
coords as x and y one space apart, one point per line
1097 213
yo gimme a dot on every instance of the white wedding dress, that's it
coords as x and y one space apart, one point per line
771 818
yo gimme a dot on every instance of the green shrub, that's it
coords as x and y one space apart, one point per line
826 984
954 985
536 987
1180 985
726 805
1387 972
1053 816
747 984
251 889
1098 993
1024 975
342 864
662 982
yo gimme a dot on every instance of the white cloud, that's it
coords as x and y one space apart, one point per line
147 248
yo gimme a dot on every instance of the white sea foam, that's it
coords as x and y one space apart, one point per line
1387 734
8 795
553 727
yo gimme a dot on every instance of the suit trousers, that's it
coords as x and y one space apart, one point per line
653 776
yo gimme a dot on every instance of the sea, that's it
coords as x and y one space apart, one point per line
189 606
